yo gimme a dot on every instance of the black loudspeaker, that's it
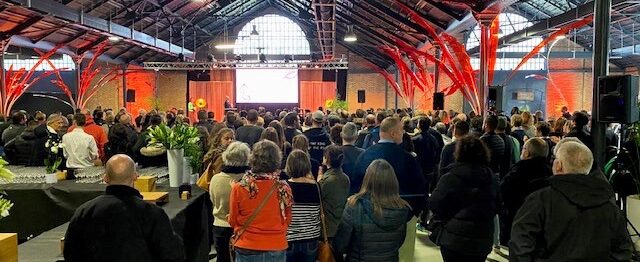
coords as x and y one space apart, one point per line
328 75
438 101
341 84
495 97
131 95
361 97
198 75
618 99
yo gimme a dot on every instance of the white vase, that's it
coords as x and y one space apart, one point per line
633 214
175 158
186 170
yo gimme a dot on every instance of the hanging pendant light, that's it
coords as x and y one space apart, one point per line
254 32
351 35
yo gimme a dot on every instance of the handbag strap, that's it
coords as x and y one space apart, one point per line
255 212
324 226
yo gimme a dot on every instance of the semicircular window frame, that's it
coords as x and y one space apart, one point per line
277 35
510 23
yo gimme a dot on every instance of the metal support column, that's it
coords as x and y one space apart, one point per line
396 104
3 94
602 19
124 85
483 87
436 70
78 62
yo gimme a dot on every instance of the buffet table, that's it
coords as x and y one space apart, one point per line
41 213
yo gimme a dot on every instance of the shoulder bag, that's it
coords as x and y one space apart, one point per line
253 216
325 252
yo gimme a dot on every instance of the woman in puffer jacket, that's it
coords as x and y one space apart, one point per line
373 225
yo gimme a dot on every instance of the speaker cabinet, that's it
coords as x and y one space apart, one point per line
361 97
438 101
131 95
198 75
618 99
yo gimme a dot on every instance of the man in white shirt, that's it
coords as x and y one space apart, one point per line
80 148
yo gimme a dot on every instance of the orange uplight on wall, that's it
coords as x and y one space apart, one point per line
201 103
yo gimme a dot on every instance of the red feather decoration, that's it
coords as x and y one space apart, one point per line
563 31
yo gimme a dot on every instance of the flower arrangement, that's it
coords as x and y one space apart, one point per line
178 137
54 154
5 174
334 105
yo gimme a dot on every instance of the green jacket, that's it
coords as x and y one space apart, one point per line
334 187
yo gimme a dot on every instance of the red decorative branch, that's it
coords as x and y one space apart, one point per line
563 31
18 82
493 47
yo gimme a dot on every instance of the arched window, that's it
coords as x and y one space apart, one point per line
510 23
277 35
65 62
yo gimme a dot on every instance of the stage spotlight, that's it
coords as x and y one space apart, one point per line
211 58
287 58
180 57
238 58
263 58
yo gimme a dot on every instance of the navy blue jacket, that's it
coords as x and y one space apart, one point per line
351 154
372 138
413 187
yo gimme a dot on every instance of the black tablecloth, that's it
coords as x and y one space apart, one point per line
42 208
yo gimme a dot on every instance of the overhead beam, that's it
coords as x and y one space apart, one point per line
20 27
79 19
92 44
546 25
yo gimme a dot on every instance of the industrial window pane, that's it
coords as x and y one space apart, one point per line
277 35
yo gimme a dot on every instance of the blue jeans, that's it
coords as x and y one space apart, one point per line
302 251
243 255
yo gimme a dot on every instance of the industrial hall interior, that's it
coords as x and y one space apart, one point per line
319 130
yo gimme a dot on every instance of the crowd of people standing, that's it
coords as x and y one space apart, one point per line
281 181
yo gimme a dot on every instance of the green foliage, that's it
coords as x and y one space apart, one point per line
5 174
177 137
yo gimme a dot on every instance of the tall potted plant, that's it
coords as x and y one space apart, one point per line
174 140
8 241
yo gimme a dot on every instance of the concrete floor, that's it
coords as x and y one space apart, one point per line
427 251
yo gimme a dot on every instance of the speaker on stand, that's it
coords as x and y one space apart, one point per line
438 101
618 99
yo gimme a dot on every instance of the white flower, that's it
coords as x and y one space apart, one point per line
46 144
61 145
4 213
54 150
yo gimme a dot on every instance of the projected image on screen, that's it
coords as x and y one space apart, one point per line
266 86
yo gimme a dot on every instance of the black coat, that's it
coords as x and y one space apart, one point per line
22 149
466 200
583 135
426 148
122 138
120 226
351 154
574 219
526 177
249 134
364 236
496 149
413 187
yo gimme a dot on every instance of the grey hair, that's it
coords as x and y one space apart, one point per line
576 158
562 141
236 154
266 157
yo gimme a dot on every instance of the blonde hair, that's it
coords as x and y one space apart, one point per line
381 184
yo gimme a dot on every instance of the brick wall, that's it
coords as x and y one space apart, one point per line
172 89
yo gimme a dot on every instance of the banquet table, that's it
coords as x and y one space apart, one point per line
41 213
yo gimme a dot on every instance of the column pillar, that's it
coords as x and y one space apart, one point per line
483 86
3 89
601 23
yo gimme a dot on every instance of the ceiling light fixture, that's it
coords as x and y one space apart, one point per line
254 32
351 35
114 38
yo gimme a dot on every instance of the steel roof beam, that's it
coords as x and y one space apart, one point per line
544 26
20 27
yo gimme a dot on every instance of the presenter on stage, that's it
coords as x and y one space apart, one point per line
227 103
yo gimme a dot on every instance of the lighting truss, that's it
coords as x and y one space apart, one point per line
230 65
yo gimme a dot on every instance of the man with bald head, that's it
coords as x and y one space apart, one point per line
413 187
574 219
119 225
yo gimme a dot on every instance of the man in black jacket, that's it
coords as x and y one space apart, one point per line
526 177
250 133
460 129
368 125
493 142
318 136
292 125
574 219
579 130
426 148
351 153
119 225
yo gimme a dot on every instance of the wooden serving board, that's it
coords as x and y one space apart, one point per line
8 247
155 197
